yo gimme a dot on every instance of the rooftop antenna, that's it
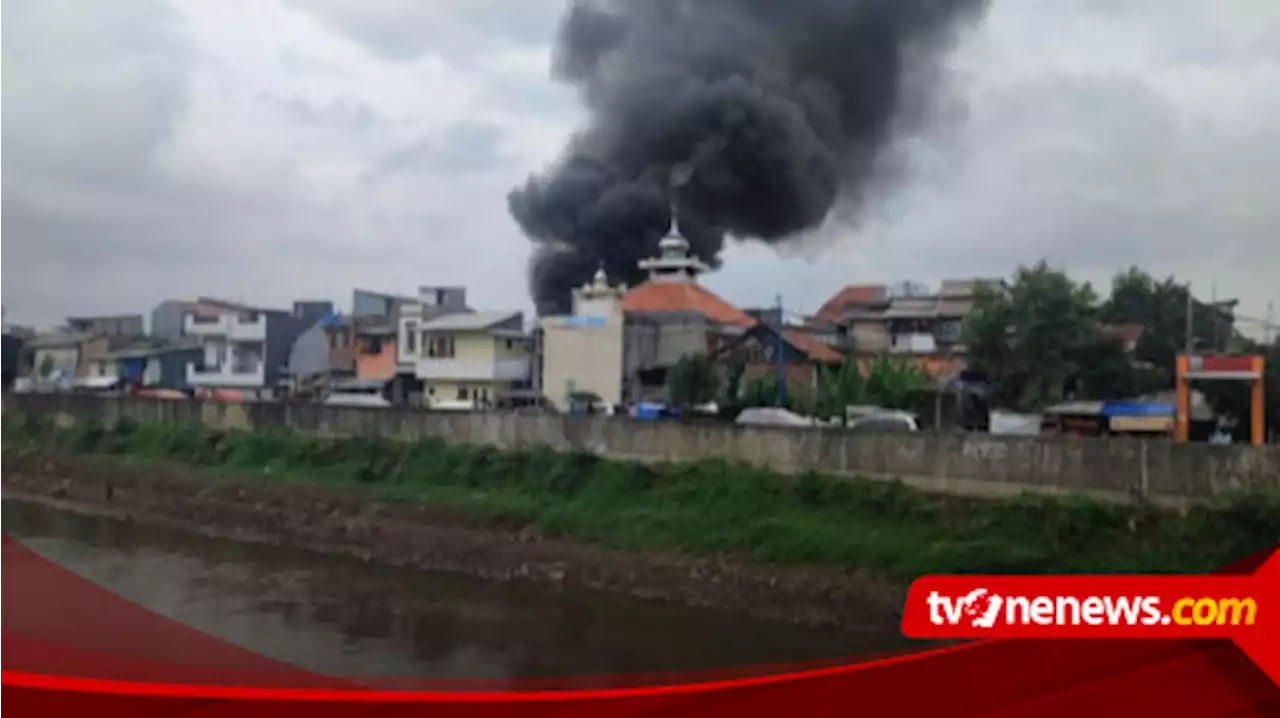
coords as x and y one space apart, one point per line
680 176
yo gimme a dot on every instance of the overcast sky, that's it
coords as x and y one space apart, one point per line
266 150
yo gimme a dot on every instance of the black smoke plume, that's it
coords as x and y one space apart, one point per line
779 107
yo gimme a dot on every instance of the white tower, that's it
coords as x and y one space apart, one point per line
673 263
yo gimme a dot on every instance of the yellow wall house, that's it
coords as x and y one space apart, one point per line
469 361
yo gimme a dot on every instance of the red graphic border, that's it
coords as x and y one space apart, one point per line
72 646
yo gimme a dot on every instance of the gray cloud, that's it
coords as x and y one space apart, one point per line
457 30
1129 133
463 148
138 166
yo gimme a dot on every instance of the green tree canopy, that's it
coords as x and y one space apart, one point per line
692 381
1160 307
886 382
1032 338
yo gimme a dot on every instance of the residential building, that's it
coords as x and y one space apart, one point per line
168 319
376 352
248 350
757 352
925 327
93 360
55 355
365 303
121 325
332 349
156 364
432 302
472 359
1127 334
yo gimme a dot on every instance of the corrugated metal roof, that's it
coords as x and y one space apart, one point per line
475 321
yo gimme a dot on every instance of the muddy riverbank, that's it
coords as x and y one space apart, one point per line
350 521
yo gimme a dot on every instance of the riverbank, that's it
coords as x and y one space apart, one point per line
811 548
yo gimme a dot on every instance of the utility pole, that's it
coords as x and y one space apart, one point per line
1213 302
1191 303
782 358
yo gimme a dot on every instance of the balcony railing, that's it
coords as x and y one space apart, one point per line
463 370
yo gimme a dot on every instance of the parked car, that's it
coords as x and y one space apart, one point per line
770 416
356 399
886 422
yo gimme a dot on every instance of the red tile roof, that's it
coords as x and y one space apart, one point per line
816 350
1127 333
852 295
940 368
691 297
684 297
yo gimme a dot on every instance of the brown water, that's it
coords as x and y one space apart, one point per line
344 617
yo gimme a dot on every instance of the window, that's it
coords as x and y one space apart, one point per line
441 347
411 337
462 394
510 345
948 330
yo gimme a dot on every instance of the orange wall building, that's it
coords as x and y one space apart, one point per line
376 355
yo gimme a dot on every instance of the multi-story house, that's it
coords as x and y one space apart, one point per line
168 318
98 338
121 325
927 327
406 342
246 351
472 359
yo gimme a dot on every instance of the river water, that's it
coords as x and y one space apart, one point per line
344 617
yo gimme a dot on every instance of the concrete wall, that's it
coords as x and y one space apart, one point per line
962 464
585 357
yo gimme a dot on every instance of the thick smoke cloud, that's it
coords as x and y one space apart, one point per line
780 107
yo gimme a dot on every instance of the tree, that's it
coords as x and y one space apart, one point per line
1032 339
732 395
887 382
1160 307
692 381
46 366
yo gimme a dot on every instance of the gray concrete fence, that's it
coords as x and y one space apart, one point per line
968 464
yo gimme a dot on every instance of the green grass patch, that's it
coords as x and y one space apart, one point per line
709 507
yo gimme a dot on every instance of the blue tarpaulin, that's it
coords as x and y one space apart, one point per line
1135 408
131 369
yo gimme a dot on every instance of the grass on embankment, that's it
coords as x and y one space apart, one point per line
711 507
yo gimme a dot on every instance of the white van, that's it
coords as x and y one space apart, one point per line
886 422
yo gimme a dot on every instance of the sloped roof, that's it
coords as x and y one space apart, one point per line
816 350
850 296
684 297
1124 332
470 321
